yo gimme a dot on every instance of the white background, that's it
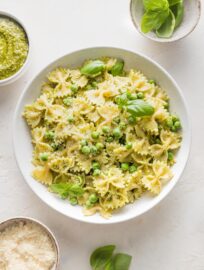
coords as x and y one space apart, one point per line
169 237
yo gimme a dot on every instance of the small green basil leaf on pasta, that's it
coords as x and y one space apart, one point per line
66 189
139 108
93 68
101 256
167 28
156 4
152 20
121 261
117 69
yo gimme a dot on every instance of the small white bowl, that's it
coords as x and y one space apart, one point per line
22 140
12 221
192 11
20 72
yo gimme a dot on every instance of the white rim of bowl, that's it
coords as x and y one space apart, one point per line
43 226
25 64
105 222
163 40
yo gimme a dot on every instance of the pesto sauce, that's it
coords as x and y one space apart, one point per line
13 47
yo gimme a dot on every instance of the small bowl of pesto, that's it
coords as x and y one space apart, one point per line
14 48
165 20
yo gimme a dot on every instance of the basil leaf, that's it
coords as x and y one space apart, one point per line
152 20
101 257
93 68
155 5
117 69
139 108
167 28
175 2
76 190
109 265
66 189
178 11
122 261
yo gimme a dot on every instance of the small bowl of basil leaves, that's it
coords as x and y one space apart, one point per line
165 20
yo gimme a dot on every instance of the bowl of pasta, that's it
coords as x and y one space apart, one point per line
102 134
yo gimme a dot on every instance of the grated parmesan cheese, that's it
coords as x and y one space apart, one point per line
26 246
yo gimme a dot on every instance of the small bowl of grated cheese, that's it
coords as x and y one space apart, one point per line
25 243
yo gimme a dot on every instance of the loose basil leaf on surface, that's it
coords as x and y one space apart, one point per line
139 108
178 11
167 29
66 189
93 68
121 261
155 5
109 265
117 69
152 20
175 2
101 257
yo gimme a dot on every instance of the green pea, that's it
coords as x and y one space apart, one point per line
49 135
93 149
74 88
99 146
131 120
117 133
140 95
170 156
122 125
152 81
125 166
44 156
129 145
177 124
88 204
110 139
169 122
133 97
94 84
95 165
86 150
95 135
73 201
84 142
93 198
132 169
70 119
105 129
67 101
96 172
93 68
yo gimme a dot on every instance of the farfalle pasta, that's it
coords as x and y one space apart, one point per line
102 136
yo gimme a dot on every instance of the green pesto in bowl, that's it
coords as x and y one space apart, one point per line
13 47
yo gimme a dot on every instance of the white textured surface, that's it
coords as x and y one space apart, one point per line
171 236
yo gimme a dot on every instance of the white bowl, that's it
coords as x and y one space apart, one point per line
20 72
22 140
15 220
192 11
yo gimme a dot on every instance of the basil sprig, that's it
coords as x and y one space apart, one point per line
139 108
162 16
66 189
104 259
